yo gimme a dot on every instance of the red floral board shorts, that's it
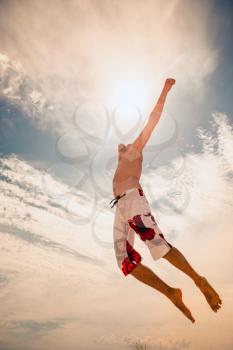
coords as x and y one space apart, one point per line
133 215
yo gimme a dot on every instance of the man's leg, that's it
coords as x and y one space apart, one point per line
176 258
147 276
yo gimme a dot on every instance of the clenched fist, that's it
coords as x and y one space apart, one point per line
168 83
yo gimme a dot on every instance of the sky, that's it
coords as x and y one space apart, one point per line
76 79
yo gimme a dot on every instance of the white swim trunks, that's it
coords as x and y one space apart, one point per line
133 215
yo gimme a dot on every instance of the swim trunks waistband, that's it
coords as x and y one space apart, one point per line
124 193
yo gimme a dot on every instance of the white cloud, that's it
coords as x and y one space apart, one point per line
94 47
18 89
28 200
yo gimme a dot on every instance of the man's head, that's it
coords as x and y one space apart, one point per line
122 147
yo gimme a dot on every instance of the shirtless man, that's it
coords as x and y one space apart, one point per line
133 214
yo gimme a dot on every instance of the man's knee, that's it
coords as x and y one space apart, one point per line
168 254
127 266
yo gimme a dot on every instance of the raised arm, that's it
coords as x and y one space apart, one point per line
154 117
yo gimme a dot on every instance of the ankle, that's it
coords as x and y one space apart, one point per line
197 280
170 292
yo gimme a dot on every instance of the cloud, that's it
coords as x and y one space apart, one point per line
35 327
86 51
27 200
45 243
26 331
18 92
16 86
6 276
194 176
143 342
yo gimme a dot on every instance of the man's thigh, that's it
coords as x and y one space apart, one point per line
147 229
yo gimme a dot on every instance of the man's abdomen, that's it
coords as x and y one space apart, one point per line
123 185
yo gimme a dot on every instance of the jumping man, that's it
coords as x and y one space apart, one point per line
133 215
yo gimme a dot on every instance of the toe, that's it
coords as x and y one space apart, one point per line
189 314
213 307
192 319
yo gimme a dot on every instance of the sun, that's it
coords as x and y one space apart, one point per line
129 95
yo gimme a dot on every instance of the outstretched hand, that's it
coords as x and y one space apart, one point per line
168 84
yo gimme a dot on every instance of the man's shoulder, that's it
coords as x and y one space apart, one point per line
137 149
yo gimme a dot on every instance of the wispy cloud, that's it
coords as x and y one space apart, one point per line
27 200
46 243
35 327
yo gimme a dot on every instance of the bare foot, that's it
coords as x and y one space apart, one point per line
210 294
176 297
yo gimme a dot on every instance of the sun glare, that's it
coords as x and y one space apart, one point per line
129 96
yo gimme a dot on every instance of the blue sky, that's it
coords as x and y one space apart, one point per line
221 79
76 79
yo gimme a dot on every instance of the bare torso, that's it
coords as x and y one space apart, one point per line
130 158
128 172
